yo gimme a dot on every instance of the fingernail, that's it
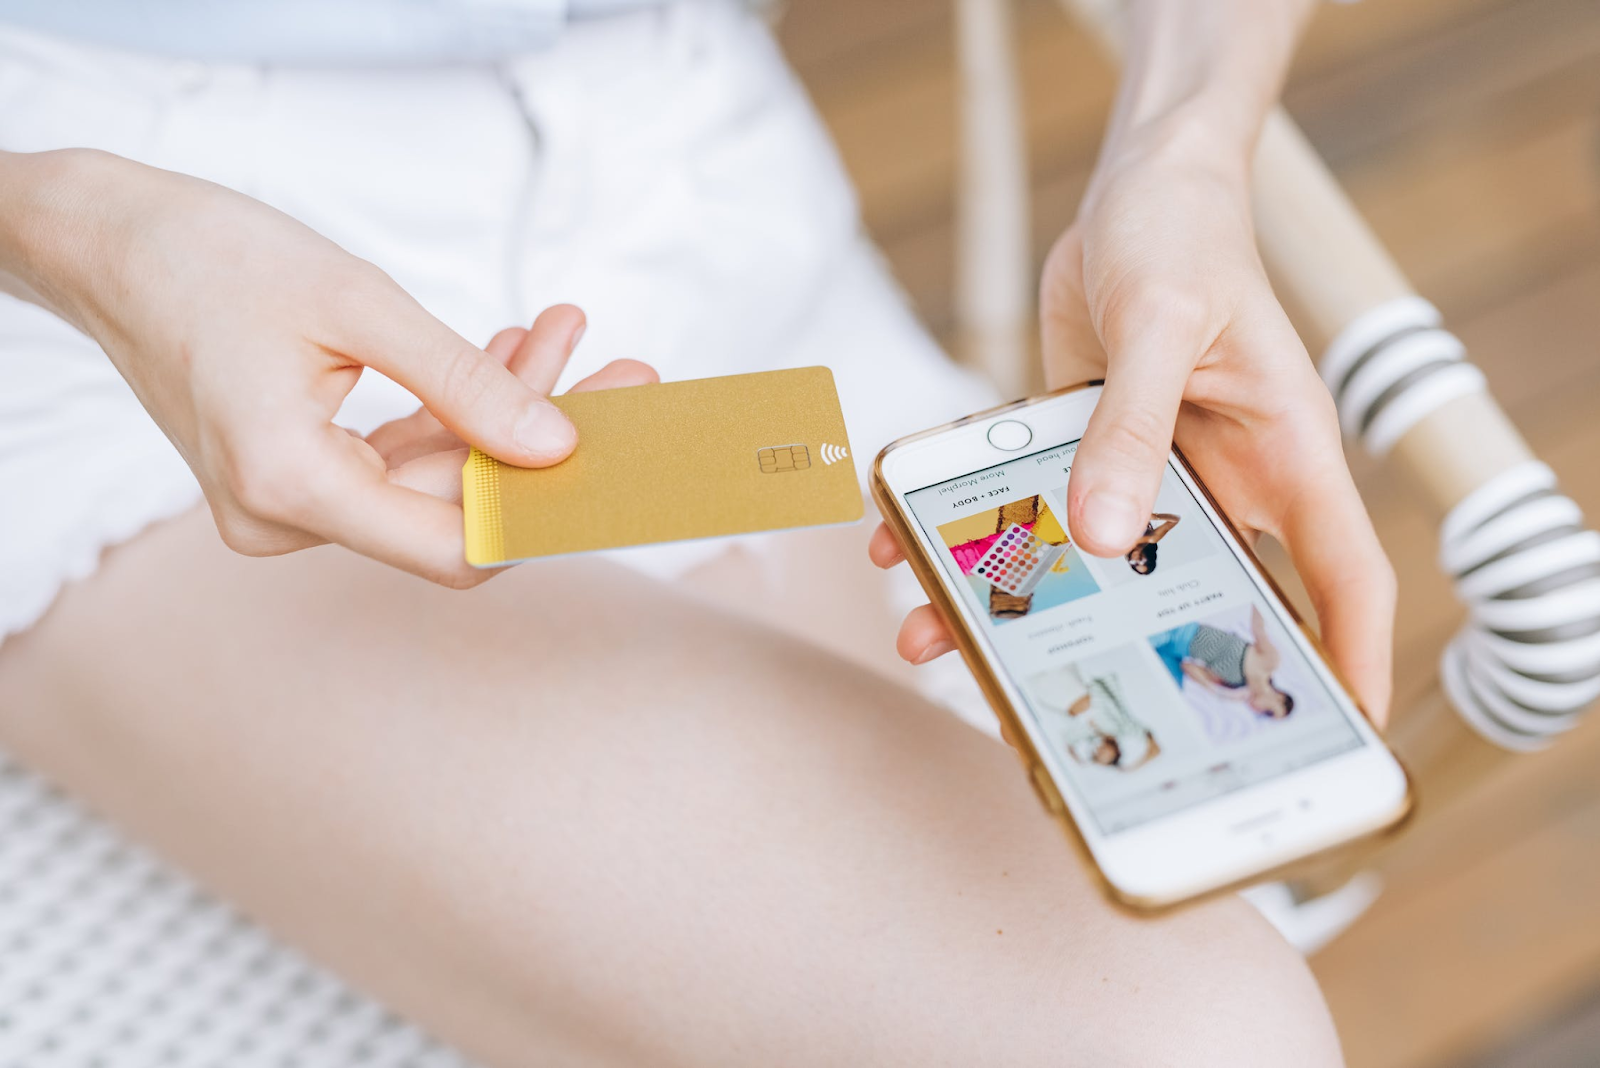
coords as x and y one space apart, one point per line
934 652
577 336
1109 519
544 431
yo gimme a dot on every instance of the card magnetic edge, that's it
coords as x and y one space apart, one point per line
484 526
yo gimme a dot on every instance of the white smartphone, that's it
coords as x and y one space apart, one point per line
1168 705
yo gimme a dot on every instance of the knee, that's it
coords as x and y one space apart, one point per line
1221 987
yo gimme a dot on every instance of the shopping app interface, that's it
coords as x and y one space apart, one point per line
1159 679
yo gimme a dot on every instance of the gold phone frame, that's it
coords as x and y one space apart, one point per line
1038 774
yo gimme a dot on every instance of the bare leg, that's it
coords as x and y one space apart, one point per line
572 818
819 586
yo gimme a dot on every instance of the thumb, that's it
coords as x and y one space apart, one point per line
1118 466
466 389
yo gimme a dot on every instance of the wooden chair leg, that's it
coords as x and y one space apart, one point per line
994 264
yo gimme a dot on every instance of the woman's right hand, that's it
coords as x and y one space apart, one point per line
241 331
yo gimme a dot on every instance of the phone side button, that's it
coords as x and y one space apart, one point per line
1046 789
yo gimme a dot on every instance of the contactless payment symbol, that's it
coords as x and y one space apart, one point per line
1017 561
781 458
832 454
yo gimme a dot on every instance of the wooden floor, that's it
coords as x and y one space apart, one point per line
1468 131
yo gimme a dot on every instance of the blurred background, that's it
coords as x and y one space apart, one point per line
1468 133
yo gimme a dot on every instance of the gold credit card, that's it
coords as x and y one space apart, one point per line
670 462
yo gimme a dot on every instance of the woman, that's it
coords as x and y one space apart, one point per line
579 815
1142 557
1227 664
1091 721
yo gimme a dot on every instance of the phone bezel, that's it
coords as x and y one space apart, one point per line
1203 847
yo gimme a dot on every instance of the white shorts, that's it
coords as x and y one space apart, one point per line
662 170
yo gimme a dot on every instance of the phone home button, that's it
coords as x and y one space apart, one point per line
1010 435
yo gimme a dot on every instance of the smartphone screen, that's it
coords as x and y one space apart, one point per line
1158 680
